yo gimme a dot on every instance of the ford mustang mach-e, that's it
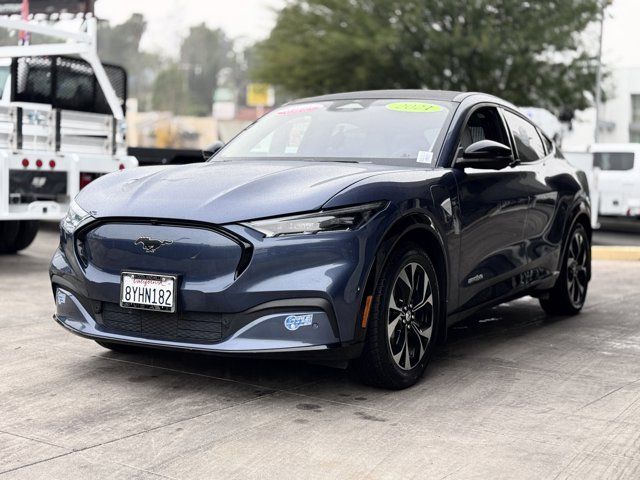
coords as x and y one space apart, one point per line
354 226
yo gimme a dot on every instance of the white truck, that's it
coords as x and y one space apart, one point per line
614 172
62 125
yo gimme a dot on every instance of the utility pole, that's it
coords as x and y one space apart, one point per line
596 133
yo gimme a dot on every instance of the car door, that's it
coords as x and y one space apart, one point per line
543 177
492 214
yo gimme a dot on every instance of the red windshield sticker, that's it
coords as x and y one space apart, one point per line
302 108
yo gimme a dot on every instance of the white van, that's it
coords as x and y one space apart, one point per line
615 176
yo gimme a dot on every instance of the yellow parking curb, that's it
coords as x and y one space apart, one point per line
616 253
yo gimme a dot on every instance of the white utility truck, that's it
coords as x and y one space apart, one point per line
614 172
62 125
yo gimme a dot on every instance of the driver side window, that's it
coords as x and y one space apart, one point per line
483 124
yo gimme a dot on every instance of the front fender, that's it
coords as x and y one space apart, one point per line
419 209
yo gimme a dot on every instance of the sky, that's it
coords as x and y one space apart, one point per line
251 20
169 20
622 35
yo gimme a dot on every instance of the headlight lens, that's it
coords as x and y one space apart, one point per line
75 217
349 218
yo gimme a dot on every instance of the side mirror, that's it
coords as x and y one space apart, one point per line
486 154
212 149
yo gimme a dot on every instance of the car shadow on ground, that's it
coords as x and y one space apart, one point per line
484 330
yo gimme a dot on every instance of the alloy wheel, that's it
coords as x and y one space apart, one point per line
410 316
577 270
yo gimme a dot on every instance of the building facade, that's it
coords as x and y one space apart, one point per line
619 115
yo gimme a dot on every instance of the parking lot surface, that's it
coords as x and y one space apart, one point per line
513 394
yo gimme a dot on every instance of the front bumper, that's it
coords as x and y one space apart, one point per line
296 295
259 330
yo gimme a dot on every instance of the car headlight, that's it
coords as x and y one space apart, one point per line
349 218
75 217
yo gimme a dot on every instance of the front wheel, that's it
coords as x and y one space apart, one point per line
404 323
567 297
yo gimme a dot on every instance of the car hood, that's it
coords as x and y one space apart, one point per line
222 192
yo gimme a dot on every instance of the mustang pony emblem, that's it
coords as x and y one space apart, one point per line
149 245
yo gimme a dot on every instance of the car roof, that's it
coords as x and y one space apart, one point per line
444 95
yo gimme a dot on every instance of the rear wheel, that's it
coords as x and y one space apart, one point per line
404 321
570 292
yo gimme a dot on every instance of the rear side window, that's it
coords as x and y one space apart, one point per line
613 160
528 142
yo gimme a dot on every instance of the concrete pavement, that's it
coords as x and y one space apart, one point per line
514 394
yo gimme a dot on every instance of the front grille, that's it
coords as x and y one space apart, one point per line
181 326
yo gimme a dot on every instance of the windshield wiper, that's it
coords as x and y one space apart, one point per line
337 160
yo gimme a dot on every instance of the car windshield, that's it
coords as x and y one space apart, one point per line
393 132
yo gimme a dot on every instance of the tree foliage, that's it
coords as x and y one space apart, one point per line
120 45
184 85
529 52
203 54
170 91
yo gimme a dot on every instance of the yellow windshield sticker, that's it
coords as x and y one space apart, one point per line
414 107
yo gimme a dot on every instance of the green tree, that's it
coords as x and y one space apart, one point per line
531 53
120 45
170 91
203 54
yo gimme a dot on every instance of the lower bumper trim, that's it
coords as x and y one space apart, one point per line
267 331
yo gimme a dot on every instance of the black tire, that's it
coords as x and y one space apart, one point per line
26 234
568 295
397 328
9 231
119 347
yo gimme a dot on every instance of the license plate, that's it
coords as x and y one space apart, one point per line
148 292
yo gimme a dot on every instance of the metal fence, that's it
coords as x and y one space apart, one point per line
65 83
